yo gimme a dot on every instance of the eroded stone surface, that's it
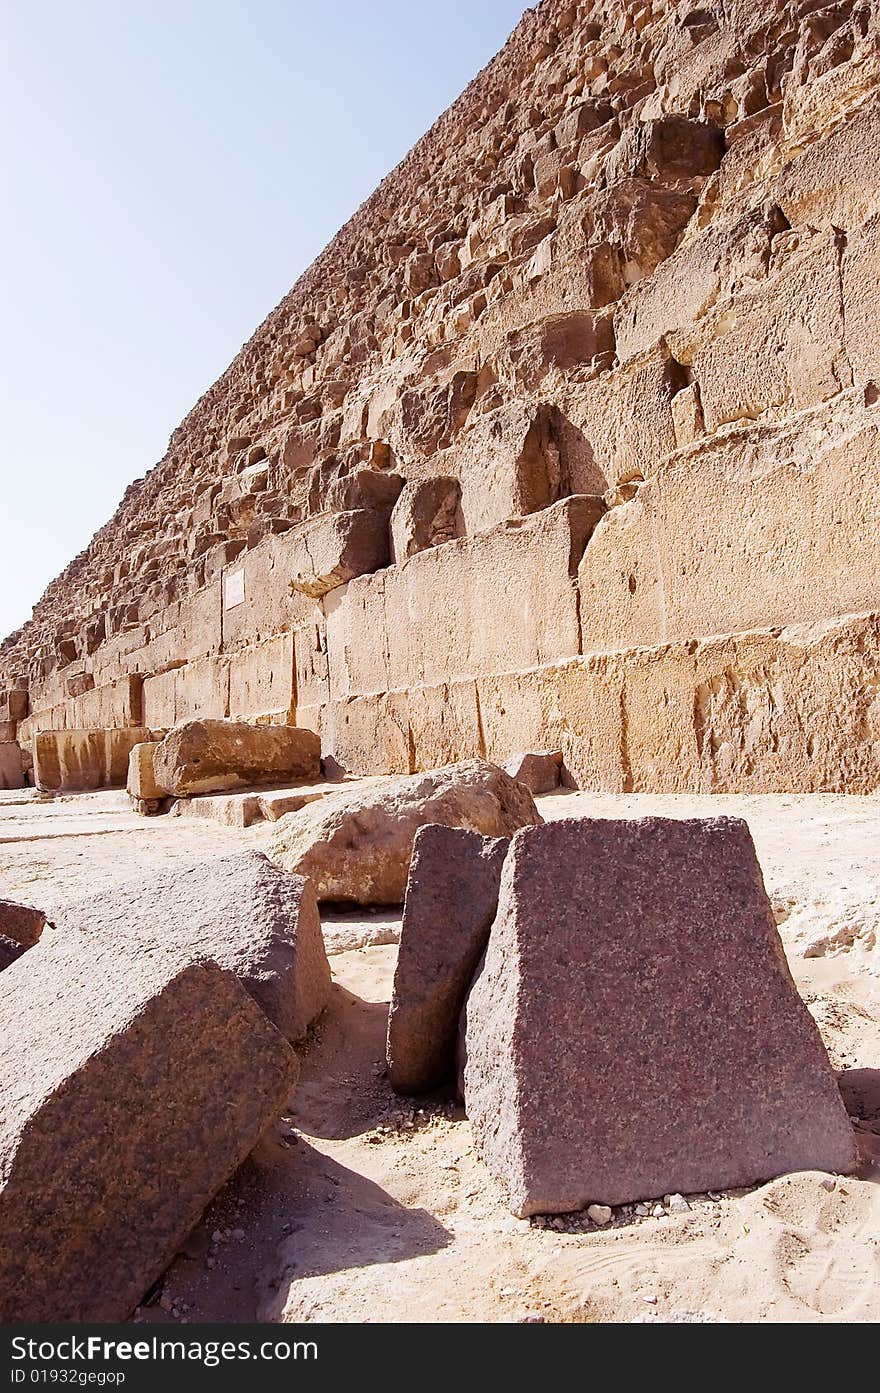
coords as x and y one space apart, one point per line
209 756
131 1091
451 898
634 1030
356 846
240 911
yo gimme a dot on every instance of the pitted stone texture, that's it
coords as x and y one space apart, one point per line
10 951
21 922
635 1030
130 1093
426 514
357 846
239 911
451 898
210 756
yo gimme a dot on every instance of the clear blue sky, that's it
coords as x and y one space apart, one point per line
169 168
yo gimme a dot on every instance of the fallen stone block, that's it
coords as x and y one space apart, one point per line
227 809
142 783
239 911
210 756
21 922
356 845
540 771
634 1030
245 809
130 1093
451 898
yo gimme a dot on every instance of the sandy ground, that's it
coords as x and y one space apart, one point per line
360 1206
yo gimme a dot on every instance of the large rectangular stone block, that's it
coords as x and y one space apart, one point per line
635 1030
780 349
11 765
262 681
130 1093
490 602
764 508
77 760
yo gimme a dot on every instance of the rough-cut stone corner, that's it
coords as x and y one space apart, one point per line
130 1093
141 783
240 911
356 845
21 922
210 756
451 898
539 770
634 1030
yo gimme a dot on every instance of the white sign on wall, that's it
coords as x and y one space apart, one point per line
233 589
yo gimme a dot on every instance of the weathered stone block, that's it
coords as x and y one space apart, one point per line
84 759
680 1056
427 513
239 911
209 756
451 898
141 782
11 765
339 546
130 1095
356 845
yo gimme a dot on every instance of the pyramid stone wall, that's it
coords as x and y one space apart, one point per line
569 438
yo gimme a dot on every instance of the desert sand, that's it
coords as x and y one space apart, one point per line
359 1206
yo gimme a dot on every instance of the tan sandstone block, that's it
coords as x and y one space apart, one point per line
141 783
478 604
84 759
261 681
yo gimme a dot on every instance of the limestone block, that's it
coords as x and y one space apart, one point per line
861 270
75 760
11 765
201 690
210 756
159 698
262 684
834 183
141 783
485 603
427 513
356 845
782 348
764 511
340 546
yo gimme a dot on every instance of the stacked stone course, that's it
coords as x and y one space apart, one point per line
569 439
